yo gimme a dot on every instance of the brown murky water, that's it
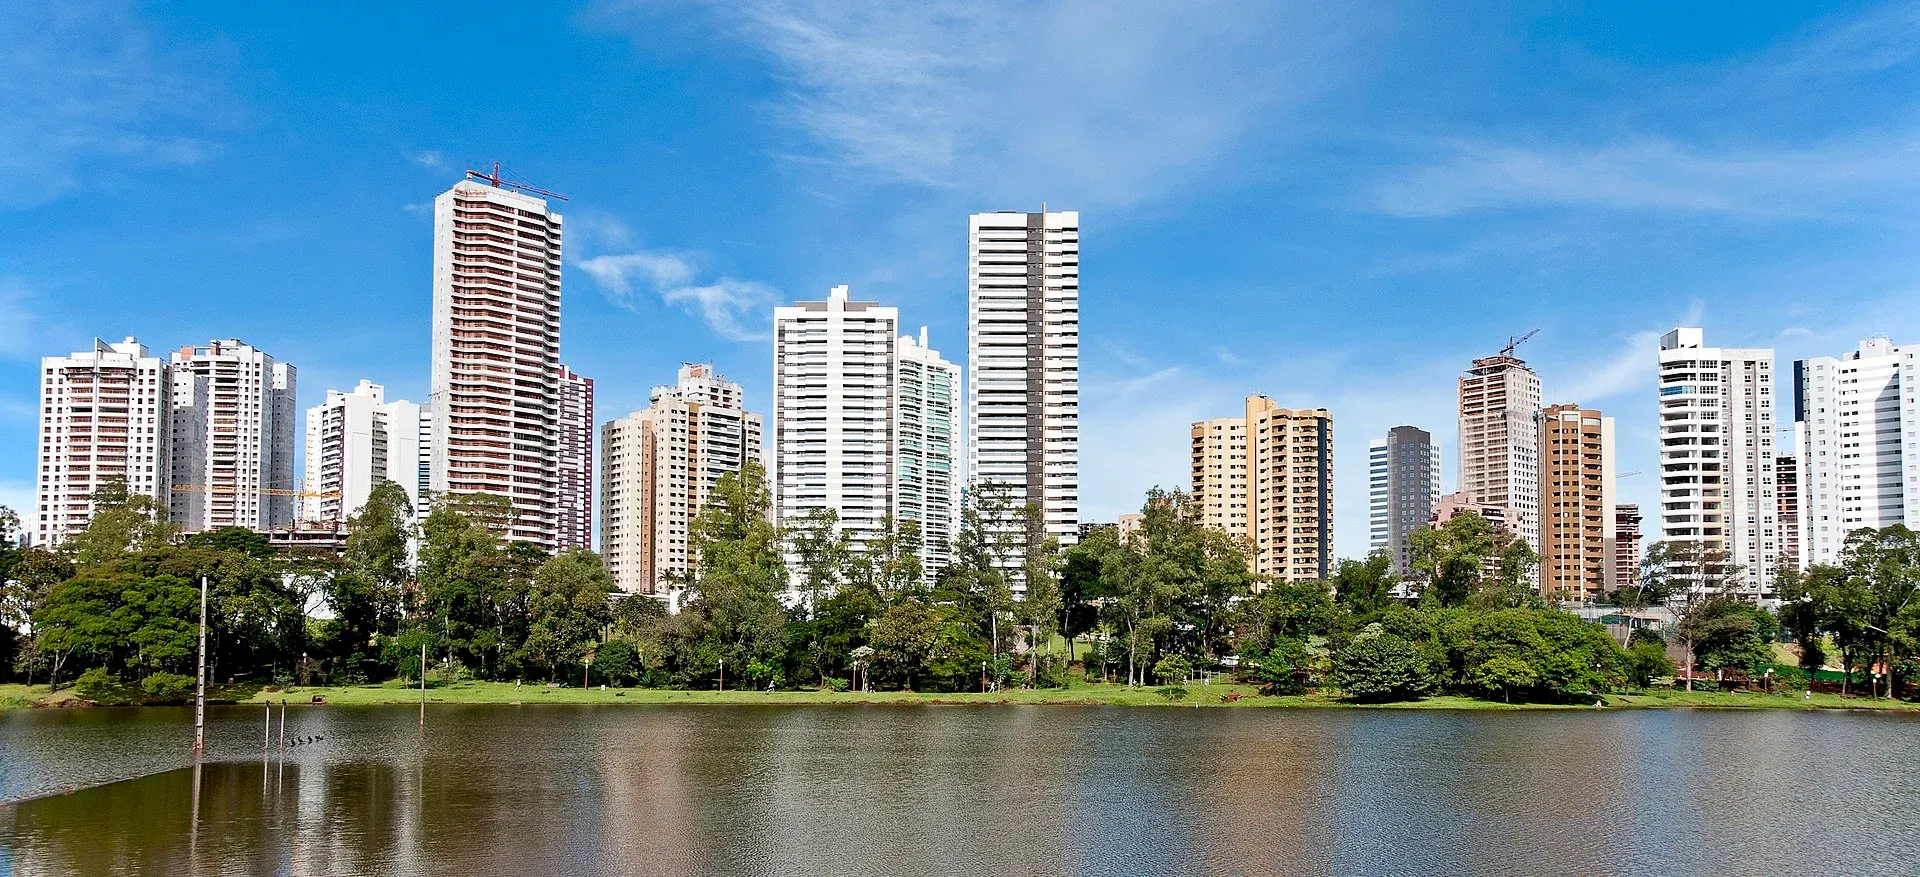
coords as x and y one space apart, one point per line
961 790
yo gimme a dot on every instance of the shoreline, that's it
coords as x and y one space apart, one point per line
15 696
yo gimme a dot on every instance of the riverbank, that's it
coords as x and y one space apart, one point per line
1224 695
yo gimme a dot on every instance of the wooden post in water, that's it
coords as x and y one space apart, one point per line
283 724
266 740
200 689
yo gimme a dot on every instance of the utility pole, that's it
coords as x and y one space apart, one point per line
200 689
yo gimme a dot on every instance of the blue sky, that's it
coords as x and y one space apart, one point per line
1334 205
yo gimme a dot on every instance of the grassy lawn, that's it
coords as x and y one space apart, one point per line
19 696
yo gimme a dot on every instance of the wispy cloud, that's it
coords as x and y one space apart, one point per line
22 336
1090 103
730 307
89 94
1652 174
431 159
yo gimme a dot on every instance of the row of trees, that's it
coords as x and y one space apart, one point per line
1169 600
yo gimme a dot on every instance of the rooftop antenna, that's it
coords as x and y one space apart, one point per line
1512 342
497 181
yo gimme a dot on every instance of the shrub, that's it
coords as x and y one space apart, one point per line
1646 662
838 683
1172 670
1284 667
97 684
1171 692
167 687
1382 668
616 662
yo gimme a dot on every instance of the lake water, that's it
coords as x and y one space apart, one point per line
961 790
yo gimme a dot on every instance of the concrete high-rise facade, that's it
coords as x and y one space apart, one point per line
233 421
1857 418
658 465
496 348
1577 515
834 365
574 500
103 424
1403 486
1500 440
1717 478
1626 544
1023 361
356 439
1786 488
926 450
1266 477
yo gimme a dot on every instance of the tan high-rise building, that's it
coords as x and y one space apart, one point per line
1500 440
1577 522
495 407
103 423
1267 477
657 467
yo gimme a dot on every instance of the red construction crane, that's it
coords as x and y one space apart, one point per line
495 180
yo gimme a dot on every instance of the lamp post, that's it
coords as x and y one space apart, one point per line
983 677
723 674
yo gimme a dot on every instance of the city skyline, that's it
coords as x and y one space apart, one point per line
1668 223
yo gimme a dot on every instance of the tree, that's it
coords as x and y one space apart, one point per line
1504 673
1647 661
1884 565
121 522
822 550
365 593
568 607
735 606
1285 666
1700 578
33 575
1039 607
1380 667
1365 586
1450 560
617 662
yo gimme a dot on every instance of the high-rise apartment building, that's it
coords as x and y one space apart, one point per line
1267 478
103 425
234 422
1577 516
834 367
356 439
1716 454
575 489
926 453
1500 440
1857 418
1023 361
657 467
496 349
1626 544
1403 485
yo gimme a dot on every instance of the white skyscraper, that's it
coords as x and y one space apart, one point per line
576 460
926 458
1023 360
103 422
833 408
1716 453
233 421
496 349
1858 420
354 440
657 467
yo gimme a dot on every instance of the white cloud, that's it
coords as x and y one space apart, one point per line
431 159
1092 104
21 334
730 307
89 94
